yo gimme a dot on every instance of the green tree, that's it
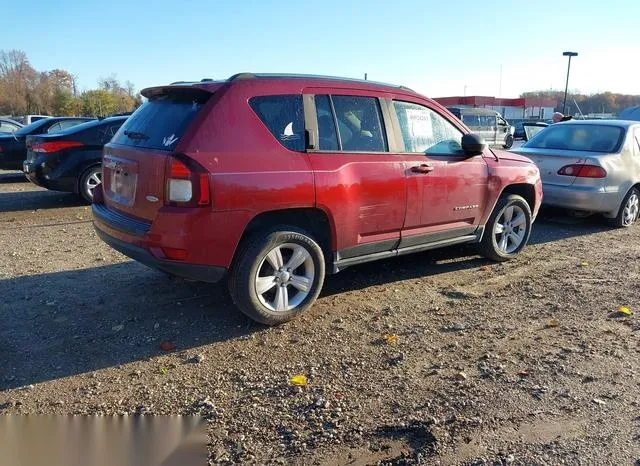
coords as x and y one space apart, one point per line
98 102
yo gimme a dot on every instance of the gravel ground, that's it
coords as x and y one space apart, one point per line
436 358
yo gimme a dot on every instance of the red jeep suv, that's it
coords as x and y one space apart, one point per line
277 180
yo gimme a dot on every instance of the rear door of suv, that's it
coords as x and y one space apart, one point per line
357 179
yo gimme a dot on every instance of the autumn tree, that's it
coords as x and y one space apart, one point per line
17 76
23 90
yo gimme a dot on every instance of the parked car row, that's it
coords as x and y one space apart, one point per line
60 153
70 160
274 181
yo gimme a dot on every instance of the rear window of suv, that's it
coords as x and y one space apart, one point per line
161 121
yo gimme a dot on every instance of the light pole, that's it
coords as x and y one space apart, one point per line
566 87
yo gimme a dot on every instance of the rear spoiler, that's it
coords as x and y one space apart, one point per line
202 89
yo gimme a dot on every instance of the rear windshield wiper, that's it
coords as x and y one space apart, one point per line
135 135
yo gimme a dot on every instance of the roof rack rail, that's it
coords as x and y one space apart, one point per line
178 82
206 80
242 76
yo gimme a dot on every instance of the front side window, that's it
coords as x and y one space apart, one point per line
425 131
284 116
636 145
589 138
360 126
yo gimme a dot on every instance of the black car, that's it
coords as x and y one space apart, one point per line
70 161
13 150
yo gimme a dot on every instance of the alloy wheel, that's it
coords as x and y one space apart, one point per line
631 209
285 277
510 229
91 182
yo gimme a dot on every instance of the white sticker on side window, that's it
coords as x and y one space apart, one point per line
169 140
419 123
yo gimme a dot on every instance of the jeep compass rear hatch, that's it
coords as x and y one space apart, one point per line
139 162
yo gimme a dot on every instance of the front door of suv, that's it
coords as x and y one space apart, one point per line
446 190
357 180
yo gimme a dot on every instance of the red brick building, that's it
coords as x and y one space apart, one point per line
538 108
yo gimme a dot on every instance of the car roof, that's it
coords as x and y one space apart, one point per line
619 123
298 80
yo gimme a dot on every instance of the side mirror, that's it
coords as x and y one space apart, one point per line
472 144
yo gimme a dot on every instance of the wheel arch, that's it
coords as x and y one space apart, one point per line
524 190
311 219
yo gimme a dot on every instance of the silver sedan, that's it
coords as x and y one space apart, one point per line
590 166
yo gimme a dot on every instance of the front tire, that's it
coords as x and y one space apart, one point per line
508 142
277 274
508 229
89 180
629 210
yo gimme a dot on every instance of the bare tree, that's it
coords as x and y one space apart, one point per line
16 78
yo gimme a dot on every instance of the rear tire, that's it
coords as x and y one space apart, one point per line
629 210
89 180
508 142
277 274
508 229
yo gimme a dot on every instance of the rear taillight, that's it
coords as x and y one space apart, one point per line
187 183
54 146
583 171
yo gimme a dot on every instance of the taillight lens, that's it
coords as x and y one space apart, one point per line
54 146
583 171
187 183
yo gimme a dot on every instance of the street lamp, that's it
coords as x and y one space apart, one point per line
566 87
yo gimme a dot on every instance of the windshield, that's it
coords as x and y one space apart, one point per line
26 130
587 138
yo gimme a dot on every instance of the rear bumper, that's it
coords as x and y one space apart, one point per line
584 198
34 173
204 273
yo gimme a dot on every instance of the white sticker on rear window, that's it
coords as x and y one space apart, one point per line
169 140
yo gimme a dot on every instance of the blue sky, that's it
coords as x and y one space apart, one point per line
437 48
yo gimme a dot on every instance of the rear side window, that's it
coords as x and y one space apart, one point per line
360 124
63 125
471 120
284 116
161 121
